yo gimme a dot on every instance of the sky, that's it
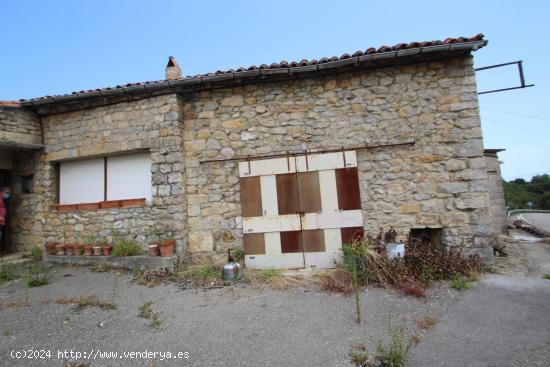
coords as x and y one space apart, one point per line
56 47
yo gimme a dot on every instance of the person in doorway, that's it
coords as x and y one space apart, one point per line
4 197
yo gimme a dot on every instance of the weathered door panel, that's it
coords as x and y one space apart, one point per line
287 193
309 192
347 185
273 223
251 197
306 205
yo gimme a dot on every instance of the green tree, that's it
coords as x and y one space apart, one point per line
519 192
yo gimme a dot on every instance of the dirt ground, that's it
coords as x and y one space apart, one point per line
502 321
236 325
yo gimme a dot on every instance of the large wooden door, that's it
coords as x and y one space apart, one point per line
297 211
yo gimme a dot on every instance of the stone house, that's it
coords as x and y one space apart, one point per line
289 160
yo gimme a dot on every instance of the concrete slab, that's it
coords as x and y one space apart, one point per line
124 262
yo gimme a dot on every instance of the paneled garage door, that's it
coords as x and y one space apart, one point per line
298 210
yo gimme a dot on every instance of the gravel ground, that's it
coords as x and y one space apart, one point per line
233 325
503 321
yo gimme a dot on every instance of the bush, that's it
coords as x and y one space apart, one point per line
411 274
126 247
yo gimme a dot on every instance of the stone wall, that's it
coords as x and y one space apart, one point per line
440 182
150 124
19 127
499 219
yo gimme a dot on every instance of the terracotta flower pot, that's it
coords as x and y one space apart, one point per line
166 248
77 248
153 250
50 248
69 249
132 202
88 206
59 249
97 250
88 251
107 250
110 204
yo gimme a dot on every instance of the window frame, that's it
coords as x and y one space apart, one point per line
86 205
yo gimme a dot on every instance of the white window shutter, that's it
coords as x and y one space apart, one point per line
129 177
81 181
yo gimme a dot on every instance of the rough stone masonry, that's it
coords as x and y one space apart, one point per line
439 182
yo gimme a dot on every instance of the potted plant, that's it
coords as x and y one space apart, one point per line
107 248
153 250
166 244
87 250
69 249
50 248
78 249
60 249
92 242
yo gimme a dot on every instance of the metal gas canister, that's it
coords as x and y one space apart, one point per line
232 270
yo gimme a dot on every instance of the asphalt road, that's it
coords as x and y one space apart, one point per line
539 220
504 321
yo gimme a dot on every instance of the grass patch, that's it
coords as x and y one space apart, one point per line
85 302
196 276
206 272
37 276
238 254
274 278
126 247
146 312
7 272
36 253
359 357
461 283
155 322
546 276
99 267
336 280
394 354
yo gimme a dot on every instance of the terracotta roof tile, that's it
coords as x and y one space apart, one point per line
10 104
285 64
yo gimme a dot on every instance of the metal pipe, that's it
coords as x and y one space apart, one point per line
306 152
497 65
505 89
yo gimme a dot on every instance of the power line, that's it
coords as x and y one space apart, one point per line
517 114
516 127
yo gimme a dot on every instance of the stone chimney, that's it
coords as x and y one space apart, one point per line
172 70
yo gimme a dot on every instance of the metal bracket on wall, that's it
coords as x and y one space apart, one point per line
521 77
305 153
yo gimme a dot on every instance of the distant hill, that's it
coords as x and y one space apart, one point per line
519 193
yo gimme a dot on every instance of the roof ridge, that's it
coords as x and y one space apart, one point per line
277 66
